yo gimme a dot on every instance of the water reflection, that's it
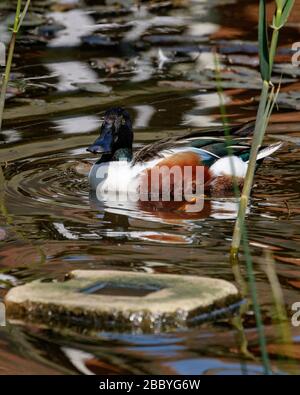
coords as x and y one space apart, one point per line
77 23
87 123
144 21
209 366
143 70
11 135
79 359
142 213
200 115
71 73
143 116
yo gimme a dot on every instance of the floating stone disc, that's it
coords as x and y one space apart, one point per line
114 300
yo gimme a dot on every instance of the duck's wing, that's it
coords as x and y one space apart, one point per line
209 144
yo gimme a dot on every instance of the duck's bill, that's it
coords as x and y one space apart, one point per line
96 149
103 144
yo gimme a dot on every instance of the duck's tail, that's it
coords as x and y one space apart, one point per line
268 151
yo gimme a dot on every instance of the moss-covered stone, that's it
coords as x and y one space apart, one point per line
114 300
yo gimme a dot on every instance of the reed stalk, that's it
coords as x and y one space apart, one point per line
267 55
19 17
250 288
280 314
280 319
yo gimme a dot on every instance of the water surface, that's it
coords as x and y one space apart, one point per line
73 61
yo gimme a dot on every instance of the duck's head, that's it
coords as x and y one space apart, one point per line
116 135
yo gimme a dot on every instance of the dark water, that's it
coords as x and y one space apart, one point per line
73 61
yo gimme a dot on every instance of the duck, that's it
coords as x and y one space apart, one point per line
223 160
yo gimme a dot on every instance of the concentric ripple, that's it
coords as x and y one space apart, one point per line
48 181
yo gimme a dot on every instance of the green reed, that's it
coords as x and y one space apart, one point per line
19 17
280 315
249 287
266 55
267 100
